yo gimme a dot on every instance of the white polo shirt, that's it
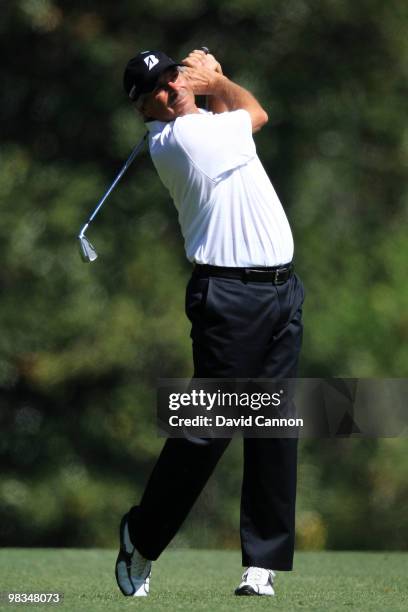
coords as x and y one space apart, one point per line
228 210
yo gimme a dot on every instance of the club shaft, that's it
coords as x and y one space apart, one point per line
115 182
206 51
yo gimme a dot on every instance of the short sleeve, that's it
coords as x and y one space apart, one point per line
216 143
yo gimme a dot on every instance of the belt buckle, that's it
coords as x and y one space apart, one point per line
278 273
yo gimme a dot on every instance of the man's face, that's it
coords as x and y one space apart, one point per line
171 98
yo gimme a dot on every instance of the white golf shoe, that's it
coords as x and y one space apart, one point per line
132 571
256 581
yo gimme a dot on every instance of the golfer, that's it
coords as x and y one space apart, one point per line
243 300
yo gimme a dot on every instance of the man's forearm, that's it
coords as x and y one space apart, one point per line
235 97
216 105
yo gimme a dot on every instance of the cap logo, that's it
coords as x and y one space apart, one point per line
150 61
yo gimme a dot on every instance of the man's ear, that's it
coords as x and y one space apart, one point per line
139 112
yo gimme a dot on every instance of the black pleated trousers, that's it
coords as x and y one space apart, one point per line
239 330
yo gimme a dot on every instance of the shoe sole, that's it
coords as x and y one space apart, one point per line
248 591
122 553
124 556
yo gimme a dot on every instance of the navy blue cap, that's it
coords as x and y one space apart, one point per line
143 70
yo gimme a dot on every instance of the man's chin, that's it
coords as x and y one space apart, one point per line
181 107
183 110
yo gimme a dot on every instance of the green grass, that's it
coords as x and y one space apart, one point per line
204 580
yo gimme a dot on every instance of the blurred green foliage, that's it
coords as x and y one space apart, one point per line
81 346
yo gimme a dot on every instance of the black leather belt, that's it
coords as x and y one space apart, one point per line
276 275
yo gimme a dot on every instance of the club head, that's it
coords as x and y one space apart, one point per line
86 250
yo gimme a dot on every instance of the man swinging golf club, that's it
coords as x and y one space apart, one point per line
243 300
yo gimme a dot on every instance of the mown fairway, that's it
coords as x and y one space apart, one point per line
204 580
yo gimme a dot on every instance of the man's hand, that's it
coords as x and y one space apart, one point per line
200 59
200 70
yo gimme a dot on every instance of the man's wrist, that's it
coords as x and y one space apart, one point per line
218 84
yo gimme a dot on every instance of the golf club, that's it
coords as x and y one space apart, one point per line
86 249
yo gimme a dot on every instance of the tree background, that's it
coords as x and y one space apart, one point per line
81 346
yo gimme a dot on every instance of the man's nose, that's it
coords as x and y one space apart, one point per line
172 86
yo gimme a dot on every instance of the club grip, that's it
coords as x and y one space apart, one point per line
205 49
